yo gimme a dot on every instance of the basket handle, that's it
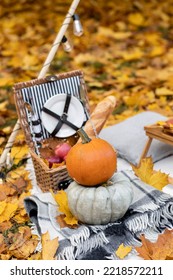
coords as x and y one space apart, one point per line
42 73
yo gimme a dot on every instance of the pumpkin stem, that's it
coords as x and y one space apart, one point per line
84 136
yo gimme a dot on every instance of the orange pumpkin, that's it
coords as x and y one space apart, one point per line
91 162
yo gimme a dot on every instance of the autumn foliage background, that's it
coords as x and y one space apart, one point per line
126 51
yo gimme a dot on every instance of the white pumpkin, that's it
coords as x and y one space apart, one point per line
103 204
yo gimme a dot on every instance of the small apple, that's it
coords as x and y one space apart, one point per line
61 150
54 159
170 121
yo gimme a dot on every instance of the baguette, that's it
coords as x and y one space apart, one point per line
99 116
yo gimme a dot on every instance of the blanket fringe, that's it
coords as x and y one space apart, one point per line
79 237
73 252
97 228
152 206
66 254
162 218
34 231
96 241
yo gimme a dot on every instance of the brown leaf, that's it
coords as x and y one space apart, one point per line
62 223
35 257
5 226
20 238
6 190
162 249
24 251
3 246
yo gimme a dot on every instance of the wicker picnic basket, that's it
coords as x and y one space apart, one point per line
37 92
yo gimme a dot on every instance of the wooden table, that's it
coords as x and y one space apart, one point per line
155 132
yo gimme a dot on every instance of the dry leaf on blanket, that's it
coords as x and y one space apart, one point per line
123 251
162 249
49 247
62 200
62 223
147 174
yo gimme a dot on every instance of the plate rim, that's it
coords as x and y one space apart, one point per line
76 100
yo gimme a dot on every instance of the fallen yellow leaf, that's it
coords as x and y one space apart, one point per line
62 200
132 55
5 257
35 257
18 153
7 129
136 19
164 91
18 172
107 32
159 180
3 106
145 170
161 123
8 212
20 218
123 251
157 50
147 174
3 205
49 247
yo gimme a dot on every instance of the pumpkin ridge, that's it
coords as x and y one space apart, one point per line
83 190
112 201
93 205
109 192
107 200
78 191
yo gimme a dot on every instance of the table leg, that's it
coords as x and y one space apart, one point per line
146 148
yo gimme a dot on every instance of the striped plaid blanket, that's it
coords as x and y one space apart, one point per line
150 212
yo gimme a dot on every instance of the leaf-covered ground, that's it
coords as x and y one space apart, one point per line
126 51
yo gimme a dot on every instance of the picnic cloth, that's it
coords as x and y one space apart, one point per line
150 213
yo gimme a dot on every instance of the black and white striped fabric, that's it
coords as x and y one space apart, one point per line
37 96
150 213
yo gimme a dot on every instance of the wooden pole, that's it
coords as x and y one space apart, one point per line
42 73
58 39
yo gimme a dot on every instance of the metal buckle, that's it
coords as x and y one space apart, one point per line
51 78
64 116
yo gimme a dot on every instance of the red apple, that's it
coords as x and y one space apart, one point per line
54 159
170 121
62 150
